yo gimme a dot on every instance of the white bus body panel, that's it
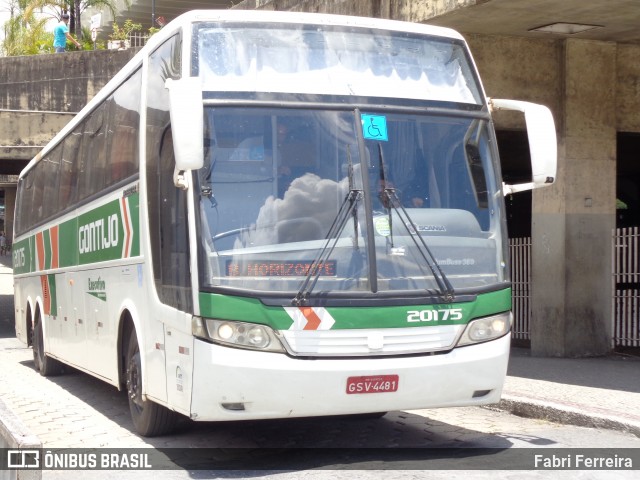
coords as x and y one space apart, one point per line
272 385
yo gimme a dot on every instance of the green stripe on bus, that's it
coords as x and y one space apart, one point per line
46 235
252 310
68 244
108 232
23 253
53 294
101 234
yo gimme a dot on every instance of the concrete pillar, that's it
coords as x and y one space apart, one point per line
573 221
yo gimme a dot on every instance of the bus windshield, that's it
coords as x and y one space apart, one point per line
284 188
332 60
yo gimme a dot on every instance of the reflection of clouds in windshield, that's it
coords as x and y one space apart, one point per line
306 212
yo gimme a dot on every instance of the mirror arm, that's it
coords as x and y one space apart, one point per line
520 187
180 180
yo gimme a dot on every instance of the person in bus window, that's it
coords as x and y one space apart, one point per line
416 194
249 150
295 152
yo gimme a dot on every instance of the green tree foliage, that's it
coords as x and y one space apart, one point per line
25 32
26 35
122 33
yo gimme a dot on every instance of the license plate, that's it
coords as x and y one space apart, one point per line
372 384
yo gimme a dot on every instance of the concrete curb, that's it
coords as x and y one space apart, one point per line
566 414
14 434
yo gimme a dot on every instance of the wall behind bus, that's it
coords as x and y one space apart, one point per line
57 83
593 89
38 96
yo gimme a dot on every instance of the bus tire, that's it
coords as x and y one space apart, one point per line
149 418
46 365
367 416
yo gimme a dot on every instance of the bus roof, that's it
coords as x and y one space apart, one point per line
314 18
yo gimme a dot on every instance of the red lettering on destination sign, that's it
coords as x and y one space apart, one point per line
279 268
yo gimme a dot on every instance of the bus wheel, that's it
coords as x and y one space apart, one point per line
46 365
149 418
367 416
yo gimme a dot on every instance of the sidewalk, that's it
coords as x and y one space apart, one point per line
602 392
599 392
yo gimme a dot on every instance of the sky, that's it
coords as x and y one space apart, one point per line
4 16
4 12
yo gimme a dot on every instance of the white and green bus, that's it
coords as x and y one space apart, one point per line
276 214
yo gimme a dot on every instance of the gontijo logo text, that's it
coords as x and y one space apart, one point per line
98 235
106 233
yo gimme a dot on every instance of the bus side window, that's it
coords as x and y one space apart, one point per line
68 169
24 211
50 166
124 152
37 190
124 119
93 154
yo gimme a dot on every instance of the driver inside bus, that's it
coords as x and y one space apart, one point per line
293 151
409 183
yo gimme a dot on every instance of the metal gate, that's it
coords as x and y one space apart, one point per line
520 251
625 314
626 287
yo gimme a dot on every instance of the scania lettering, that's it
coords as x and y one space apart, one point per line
277 214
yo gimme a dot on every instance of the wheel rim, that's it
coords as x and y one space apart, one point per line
134 381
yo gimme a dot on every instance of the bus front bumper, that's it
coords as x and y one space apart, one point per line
233 384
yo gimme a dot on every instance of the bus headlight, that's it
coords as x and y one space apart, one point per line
485 329
237 334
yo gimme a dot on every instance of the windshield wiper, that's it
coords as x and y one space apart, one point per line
354 211
393 202
347 209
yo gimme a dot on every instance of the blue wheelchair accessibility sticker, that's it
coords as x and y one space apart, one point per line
374 127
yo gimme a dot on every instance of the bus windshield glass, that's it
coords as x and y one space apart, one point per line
291 58
284 187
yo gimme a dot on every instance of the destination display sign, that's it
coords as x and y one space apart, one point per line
279 268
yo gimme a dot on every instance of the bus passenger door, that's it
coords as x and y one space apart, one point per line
98 325
168 322
168 231
52 309
71 345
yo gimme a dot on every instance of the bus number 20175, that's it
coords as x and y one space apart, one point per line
434 315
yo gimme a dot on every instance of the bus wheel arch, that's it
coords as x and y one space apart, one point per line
46 365
150 419
126 328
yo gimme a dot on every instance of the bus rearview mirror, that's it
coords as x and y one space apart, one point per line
186 110
543 145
